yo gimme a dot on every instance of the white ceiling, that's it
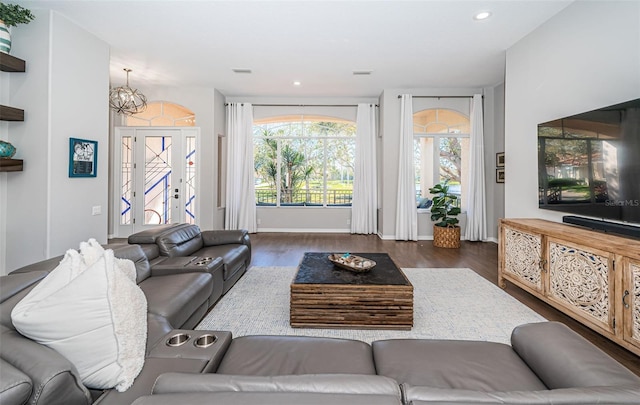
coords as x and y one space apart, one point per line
406 44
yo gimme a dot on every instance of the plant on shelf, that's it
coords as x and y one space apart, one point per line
13 14
10 16
446 232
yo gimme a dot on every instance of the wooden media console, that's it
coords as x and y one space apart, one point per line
592 276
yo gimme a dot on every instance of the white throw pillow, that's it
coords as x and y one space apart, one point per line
90 310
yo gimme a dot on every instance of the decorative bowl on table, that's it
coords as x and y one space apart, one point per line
351 262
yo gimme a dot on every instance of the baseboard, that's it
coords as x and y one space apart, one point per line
381 236
393 237
301 230
428 237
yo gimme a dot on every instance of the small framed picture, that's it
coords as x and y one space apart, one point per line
500 159
499 175
83 158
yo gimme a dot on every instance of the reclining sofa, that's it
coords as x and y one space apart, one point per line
546 363
184 245
174 300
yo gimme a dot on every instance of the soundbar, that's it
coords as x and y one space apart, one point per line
605 226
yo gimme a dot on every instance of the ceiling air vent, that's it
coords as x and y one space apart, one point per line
362 72
241 70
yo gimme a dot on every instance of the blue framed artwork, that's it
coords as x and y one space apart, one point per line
83 158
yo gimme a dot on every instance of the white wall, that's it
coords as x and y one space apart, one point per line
337 219
202 102
585 57
388 153
219 129
27 191
495 191
64 94
42 212
4 135
304 219
79 85
208 107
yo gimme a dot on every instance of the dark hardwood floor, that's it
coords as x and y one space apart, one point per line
286 249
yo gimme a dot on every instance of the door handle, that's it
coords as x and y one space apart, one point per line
624 299
542 263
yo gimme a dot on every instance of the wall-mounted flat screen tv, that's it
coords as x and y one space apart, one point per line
589 163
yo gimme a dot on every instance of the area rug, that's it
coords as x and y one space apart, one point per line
448 304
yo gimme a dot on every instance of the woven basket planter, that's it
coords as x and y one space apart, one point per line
448 237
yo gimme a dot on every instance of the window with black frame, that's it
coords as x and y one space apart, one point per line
441 152
304 161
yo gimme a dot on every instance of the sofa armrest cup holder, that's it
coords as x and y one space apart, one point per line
178 339
204 341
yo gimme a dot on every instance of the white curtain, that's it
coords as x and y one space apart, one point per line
364 218
406 211
476 229
240 212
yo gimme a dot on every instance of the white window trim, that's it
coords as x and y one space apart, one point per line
324 180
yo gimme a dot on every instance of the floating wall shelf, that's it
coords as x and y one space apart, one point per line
10 63
11 114
10 165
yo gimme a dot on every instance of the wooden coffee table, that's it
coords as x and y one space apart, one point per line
326 296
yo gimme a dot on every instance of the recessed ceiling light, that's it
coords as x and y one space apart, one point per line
297 83
241 70
482 15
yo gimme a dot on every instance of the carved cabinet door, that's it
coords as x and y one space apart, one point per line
581 279
631 301
523 258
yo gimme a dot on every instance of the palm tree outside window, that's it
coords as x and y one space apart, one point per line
304 160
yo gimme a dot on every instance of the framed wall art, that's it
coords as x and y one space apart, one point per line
83 158
500 159
499 175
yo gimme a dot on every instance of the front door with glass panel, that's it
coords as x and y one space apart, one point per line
157 177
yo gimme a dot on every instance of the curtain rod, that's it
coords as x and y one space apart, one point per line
400 96
305 105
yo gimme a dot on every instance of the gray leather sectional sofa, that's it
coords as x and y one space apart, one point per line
546 363
170 244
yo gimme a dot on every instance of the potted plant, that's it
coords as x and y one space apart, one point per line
446 232
10 16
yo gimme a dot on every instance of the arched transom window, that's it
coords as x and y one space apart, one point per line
304 160
163 114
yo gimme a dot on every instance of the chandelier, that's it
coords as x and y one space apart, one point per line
125 100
